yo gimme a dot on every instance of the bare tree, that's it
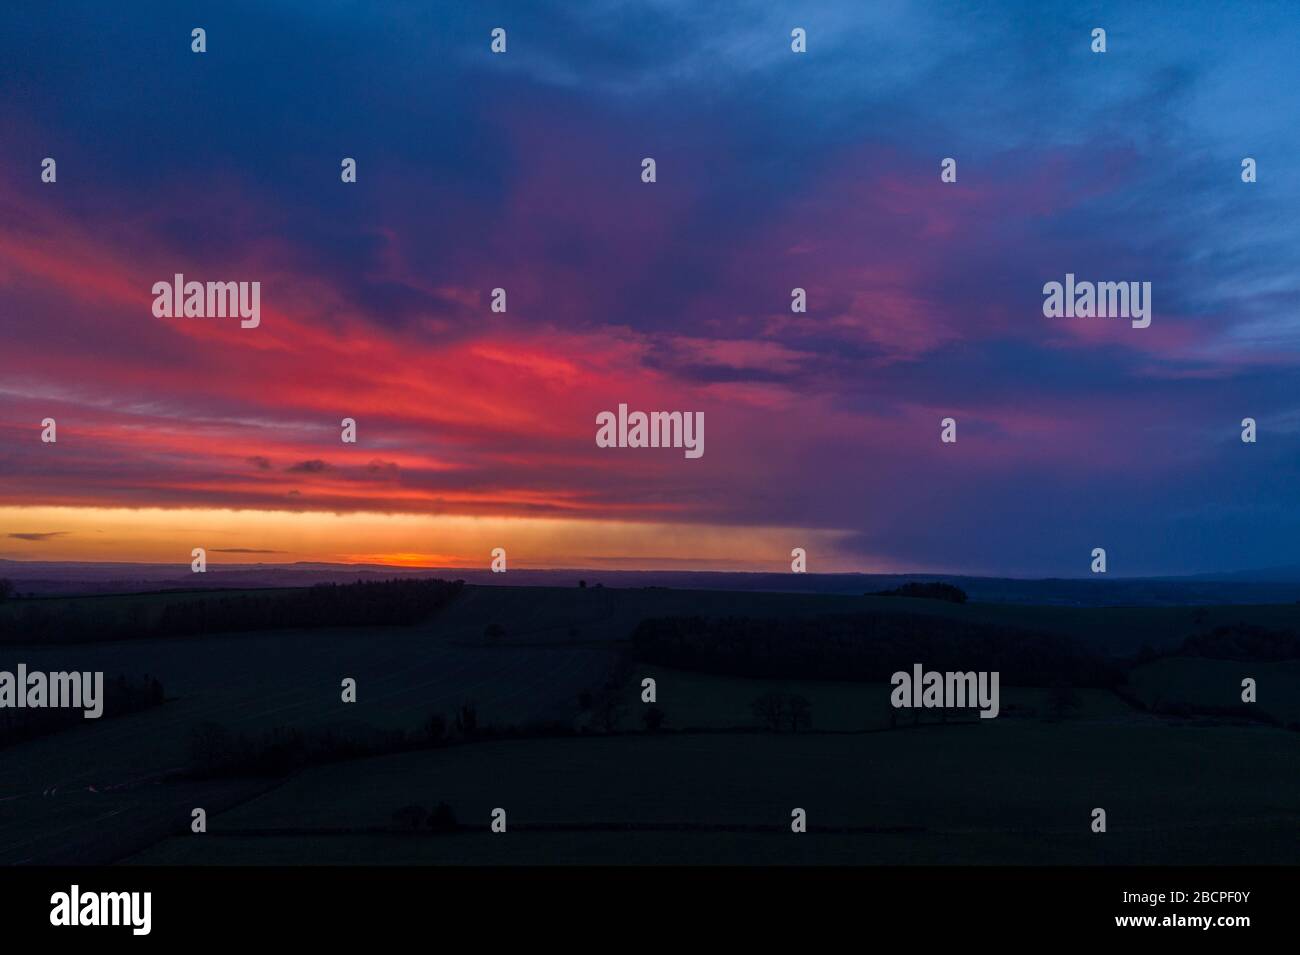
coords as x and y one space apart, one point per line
653 718
798 711
467 720
443 819
770 709
609 712
410 818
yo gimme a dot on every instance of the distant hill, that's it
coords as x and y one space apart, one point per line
1288 573
1257 587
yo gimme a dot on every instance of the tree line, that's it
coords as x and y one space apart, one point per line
382 603
925 591
867 647
1244 641
122 695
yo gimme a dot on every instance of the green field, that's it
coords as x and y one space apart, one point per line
57 791
1015 789
1013 792
1217 683
552 614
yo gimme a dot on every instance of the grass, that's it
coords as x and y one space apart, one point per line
1217 683
569 615
1011 789
998 792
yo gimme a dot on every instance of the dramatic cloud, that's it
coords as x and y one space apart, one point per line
776 171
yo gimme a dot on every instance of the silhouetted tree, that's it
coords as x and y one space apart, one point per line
442 819
365 603
871 647
435 728
1244 641
609 712
410 817
6 589
211 746
122 695
770 708
798 712
926 591
653 718
467 720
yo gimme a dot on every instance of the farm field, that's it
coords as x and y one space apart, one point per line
1202 682
64 783
553 614
957 793
978 790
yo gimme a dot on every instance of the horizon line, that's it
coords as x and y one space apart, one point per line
410 568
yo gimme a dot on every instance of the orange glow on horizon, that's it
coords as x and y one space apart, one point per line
158 535
431 561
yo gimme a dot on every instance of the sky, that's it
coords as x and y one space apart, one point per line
774 170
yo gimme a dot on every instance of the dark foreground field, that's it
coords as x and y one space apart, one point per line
529 699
